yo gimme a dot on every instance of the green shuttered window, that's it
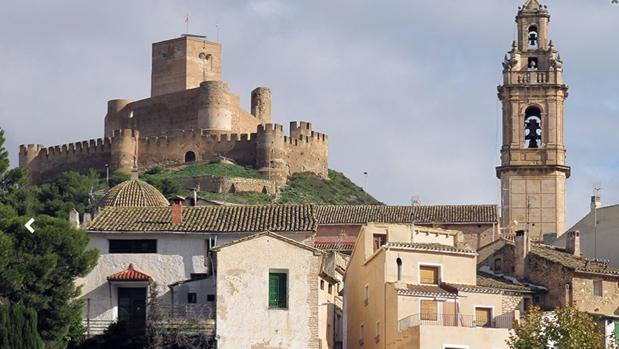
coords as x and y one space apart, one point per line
278 290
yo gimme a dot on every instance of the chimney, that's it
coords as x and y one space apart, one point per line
177 213
596 202
87 219
74 218
194 194
572 243
523 246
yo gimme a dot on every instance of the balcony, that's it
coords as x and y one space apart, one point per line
532 77
455 320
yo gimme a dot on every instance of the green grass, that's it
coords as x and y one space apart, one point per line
209 169
303 188
309 188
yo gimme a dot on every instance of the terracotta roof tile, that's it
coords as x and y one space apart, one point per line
129 274
134 193
431 247
427 291
361 214
220 219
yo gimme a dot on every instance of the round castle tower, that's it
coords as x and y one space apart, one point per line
271 152
214 114
261 104
124 150
116 118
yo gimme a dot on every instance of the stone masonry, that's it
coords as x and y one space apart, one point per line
191 116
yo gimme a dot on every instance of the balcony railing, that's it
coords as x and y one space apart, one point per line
532 77
187 312
455 320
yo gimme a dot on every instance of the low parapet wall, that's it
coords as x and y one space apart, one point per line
229 184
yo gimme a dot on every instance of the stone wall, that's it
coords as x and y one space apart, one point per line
229 184
45 163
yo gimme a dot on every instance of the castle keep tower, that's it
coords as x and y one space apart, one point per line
183 63
533 169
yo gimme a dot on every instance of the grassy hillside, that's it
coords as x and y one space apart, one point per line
302 188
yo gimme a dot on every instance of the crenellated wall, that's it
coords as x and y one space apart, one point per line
45 163
191 110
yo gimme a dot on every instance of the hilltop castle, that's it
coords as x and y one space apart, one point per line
191 116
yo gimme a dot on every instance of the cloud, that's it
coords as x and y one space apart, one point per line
406 90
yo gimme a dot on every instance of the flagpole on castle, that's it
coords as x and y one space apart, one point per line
187 24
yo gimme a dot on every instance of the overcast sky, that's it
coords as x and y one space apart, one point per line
406 90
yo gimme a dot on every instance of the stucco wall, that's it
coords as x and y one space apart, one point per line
439 337
244 319
177 257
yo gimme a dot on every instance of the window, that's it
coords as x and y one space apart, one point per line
483 316
322 285
198 276
429 310
597 288
210 297
532 128
533 37
330 289
532 65
133 246
366 295
428 275
278 290
377 337
190 156
398 263
192 298
379 240
498 265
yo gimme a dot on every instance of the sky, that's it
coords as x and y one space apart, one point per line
406 90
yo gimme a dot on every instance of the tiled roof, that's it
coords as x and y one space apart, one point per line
442 290
431 247
568 260
219 219
361 214
345 247
129 274
134 193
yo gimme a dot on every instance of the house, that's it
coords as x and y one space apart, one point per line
145 245
272 292
589 285
418 287
599 233
339 225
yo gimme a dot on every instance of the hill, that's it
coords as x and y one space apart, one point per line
302 188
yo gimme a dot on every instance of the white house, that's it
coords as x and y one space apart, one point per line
144 243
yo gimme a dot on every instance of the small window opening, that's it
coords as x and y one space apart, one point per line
498 265
533 37
399 265
532 128
533 64
190 156
192 297
379 240
597 288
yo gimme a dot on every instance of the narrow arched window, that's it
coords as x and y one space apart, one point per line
498 265
190 156
533 37
532 128
398 262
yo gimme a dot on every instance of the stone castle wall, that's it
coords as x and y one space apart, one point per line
190 110
268 150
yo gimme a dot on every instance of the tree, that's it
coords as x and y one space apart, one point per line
67 191
18 328
41 272
565 328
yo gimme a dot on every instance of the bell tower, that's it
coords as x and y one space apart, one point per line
533 170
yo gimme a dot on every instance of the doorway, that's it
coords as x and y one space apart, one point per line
132 308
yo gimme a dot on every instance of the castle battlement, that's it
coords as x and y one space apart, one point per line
191 116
